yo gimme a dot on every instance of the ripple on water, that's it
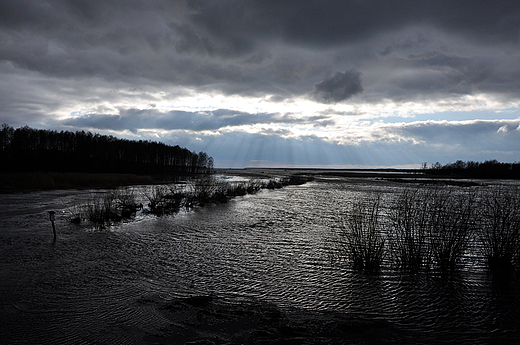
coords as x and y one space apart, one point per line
272 246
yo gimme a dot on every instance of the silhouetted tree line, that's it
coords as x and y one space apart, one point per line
26 149
487 169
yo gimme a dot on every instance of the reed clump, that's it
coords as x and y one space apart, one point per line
419 230
296 180
361 239
160 199
116 205
206 191
451 222
105 208
75 213
500 229
125 202
110 207
236 189
409 245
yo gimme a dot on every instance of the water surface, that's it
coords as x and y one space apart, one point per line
273 246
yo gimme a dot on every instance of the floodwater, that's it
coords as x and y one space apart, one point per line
92 284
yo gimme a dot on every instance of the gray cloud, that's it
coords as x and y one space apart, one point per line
439 131
227 46
234 46
339 87
137 119
327 23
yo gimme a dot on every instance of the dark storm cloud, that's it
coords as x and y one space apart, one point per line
329 22
339 87
437 76
237 47
136 119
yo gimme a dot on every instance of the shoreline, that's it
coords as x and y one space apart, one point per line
41 181
26 182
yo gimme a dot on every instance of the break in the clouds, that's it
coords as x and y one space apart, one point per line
334 83
135 119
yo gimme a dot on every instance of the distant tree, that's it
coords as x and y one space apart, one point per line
487 169
210 165
437 166
27 149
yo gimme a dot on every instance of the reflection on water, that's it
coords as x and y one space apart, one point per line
272 246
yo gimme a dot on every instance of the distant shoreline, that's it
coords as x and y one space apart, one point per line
37 181
317 172
383 173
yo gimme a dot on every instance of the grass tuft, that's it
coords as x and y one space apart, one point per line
500 229
361 239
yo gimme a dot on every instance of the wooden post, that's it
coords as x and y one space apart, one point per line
51 216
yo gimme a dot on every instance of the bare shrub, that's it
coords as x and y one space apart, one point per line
273 184
426 229
157 200
75 213
207 190
254 186
125 200
175 196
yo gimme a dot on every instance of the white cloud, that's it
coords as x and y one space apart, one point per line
503 129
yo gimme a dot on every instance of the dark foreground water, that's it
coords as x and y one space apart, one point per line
111 286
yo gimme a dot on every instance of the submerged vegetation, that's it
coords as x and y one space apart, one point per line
500 229
361 239
415 229
408 240
116 205
432 230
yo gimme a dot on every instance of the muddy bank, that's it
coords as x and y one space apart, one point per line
209 320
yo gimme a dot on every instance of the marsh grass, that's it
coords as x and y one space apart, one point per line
408 238
125 202
418 230
361 240
236 189
75 213
296 180
451 221
116 205
500 229
164 200
102 209
207 190
105 208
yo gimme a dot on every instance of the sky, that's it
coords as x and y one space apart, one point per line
331 84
